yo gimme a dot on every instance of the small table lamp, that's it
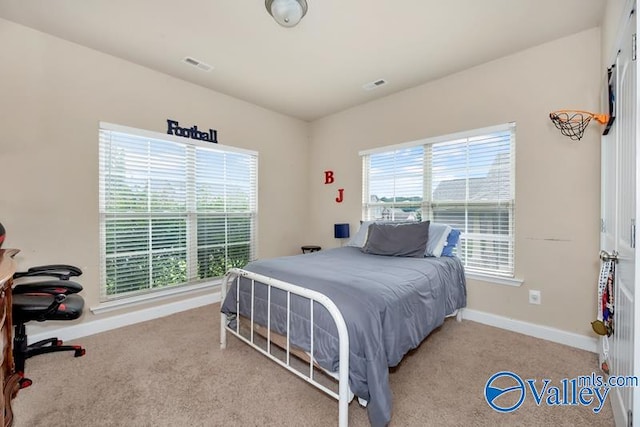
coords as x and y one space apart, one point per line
341 231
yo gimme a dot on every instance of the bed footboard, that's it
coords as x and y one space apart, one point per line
231 282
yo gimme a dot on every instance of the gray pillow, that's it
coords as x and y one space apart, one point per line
403 240
360 238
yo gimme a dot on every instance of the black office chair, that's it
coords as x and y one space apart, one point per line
41 301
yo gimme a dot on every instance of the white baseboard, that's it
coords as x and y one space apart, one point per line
84 329
92 327
538 331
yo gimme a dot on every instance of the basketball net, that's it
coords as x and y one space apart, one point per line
572 123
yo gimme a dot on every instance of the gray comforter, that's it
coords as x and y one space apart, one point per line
389 304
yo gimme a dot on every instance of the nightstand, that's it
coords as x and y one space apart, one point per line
310 248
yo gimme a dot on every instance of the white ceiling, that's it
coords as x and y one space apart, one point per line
318 67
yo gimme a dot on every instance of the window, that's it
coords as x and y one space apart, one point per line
173 211
465 180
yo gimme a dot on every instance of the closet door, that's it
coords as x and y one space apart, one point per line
619 207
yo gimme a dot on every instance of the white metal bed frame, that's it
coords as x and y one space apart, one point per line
234 275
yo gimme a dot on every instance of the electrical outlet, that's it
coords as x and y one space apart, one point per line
534 297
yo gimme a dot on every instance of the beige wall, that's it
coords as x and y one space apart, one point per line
557 180
53 94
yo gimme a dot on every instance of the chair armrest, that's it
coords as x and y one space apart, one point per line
52 287
61 271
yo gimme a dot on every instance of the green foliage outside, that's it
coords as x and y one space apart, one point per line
132 265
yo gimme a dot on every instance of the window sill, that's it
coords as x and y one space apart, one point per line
118 304
496 280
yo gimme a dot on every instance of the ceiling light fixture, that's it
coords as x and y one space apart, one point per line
286 12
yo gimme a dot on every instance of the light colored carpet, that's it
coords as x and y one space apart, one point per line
171 372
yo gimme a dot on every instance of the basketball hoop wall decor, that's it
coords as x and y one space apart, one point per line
572 123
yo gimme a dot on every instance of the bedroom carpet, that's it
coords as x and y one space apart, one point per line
171 372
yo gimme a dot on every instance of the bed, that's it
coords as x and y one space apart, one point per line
352 313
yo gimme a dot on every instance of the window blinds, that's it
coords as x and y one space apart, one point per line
465 180
172 212
395 185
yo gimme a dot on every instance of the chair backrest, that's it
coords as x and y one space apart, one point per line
42 300
42 307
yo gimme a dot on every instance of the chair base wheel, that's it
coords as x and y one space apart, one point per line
79 352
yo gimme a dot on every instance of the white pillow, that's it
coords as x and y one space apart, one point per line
438 234
360 237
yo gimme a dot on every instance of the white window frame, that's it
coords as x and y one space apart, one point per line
505 278
109 302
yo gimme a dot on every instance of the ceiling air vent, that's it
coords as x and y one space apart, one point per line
375 84
198 64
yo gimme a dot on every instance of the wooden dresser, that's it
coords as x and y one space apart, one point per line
8 378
